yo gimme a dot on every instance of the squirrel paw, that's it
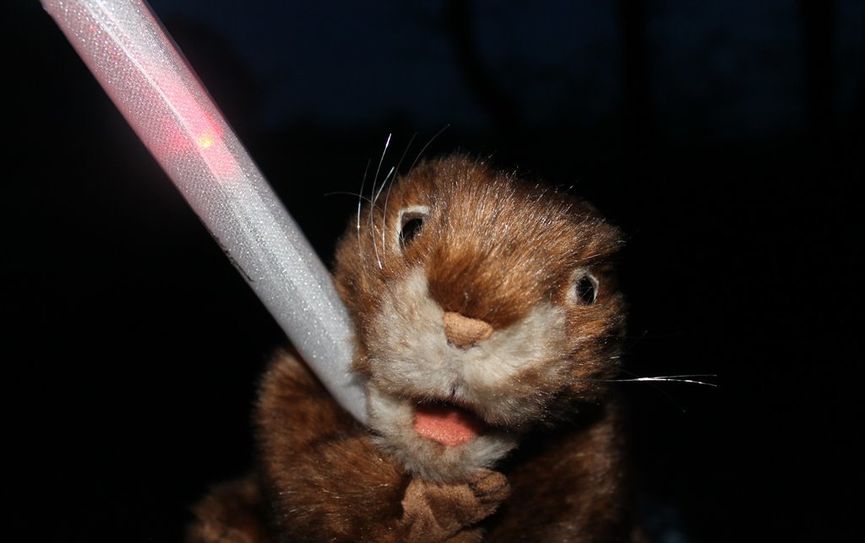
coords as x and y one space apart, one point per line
435 512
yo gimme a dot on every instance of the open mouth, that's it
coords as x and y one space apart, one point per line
447 423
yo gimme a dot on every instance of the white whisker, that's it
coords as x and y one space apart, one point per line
664 378
347 193
432 139
360 194
390 186
372 231
360 198
383 183
384 209
380 161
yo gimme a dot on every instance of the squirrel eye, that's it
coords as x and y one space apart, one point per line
411 221
585 288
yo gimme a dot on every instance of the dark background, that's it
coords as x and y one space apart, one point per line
726 138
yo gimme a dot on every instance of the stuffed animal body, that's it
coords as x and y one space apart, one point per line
488 324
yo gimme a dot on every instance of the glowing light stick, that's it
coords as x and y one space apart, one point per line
140 68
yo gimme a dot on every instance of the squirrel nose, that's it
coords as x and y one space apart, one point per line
464 331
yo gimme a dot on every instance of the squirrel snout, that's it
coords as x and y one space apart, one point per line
464 331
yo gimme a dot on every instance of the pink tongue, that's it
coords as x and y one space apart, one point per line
447 425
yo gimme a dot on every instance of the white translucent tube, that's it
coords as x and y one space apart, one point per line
142 71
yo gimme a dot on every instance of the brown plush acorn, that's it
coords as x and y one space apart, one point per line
487 321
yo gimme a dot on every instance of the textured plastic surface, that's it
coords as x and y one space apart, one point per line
147 78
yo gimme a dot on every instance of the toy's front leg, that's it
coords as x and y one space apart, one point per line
344 491
447 512
324 479
573 488
235 512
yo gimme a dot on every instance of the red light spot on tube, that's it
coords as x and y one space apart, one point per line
205 141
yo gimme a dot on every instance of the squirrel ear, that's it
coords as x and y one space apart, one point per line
606 239
602 241
612 237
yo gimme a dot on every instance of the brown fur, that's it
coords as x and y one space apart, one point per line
232 513
491 249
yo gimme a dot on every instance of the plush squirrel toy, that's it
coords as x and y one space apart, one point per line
488 322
